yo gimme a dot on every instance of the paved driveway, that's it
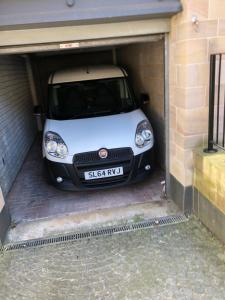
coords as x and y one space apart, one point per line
182 261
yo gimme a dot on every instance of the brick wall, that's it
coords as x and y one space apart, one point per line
17 126
145 63
190 49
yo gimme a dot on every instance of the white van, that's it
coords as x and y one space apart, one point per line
95 134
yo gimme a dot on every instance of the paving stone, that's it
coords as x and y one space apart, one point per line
182 261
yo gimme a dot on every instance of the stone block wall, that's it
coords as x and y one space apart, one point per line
209 190
191 44
209 177
145 65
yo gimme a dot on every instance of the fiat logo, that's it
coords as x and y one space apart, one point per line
103 153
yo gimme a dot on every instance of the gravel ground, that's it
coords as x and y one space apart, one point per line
182 261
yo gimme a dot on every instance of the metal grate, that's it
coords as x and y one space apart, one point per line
113 155
96 233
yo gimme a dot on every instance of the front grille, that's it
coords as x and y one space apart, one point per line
119 154
90 161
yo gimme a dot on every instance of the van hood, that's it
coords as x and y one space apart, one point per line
91 134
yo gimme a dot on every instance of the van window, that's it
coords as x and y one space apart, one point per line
85 99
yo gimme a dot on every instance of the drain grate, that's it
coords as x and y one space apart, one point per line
98 232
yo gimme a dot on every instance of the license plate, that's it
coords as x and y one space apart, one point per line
90 175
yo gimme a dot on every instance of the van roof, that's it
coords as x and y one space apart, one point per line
86 73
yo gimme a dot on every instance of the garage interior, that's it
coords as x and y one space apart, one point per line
28 195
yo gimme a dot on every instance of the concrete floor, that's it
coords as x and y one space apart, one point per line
182 261
100 218
32 198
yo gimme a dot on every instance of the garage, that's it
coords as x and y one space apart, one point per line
139 47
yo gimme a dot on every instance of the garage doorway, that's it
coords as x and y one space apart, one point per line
28 195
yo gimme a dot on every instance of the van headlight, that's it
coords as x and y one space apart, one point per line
55 145
144 134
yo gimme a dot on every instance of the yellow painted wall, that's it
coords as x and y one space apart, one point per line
209 177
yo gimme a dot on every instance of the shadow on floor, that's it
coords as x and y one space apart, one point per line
32 198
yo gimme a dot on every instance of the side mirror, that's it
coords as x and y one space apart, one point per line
144 99
38 110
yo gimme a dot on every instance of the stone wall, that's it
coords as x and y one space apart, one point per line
145 65
190 47
209 190
209 177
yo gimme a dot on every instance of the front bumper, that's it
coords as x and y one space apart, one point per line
73 174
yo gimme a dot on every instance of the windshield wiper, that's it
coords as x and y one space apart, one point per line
90 114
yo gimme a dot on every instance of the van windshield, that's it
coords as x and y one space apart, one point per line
93 98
